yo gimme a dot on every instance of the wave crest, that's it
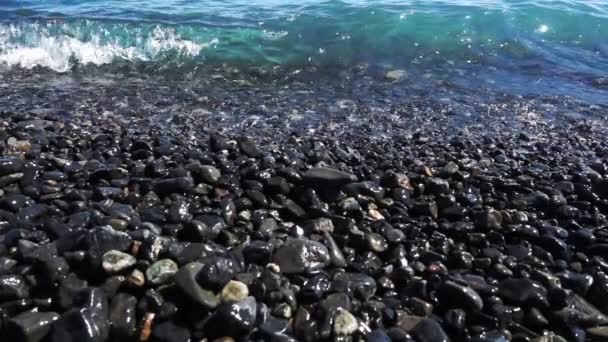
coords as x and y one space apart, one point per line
28 46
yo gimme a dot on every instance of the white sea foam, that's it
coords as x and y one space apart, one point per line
36 46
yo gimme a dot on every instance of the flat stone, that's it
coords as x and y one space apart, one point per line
185 279
323 176
301 256
116 261
210 174
455 295
396 75
161 272
429 330
30 326
345 323
234 291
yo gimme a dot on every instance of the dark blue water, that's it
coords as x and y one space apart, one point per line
540 48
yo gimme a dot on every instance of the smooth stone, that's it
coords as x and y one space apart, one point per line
248 147
396 75
236 319
550 338
599 291
217 271
455 295
557 247
174 185
122 316
301 256
345 323
425 208
320 225
377 335
580 311
273 326
323 176
522 292
491 219
535 319
355 284
161 272
35 125
277 185
283 310
96 300
218 143
136 278
599 333
304 326
6 265
578 282
185 279
10 165
437 186
168 331
210 174
365 188
315 287
336 255
429 330
78 325
102 239
13 287
116 261
336 301
258 252
397 180
234 291
30 326
456 319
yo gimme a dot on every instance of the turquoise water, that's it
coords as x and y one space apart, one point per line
553 47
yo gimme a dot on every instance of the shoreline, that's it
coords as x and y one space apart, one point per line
165 229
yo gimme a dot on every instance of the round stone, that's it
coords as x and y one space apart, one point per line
161 271
210 174
116 261
234 291
345 323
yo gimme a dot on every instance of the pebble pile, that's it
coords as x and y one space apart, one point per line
118 232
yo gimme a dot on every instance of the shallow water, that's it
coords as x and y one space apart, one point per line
554 50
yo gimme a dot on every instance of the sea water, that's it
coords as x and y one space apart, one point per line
555 49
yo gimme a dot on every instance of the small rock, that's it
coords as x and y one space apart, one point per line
210 174
185 279
301 256
136 278
13 287
457 296
357 284
599 333
235 319
168 331
122 316
248 147
490 219
322 176
161 272
10 165
217 271
116 261
396 75
234 291
345 323
30 326
429 330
